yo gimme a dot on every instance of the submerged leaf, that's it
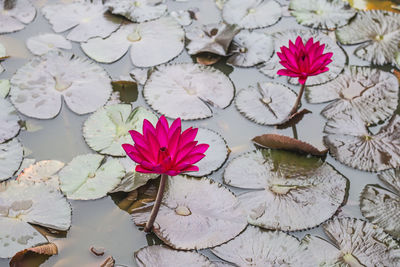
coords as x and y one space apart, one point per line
9 126
43 43
18 260
379 33
195 214
137 10
15 14
11 154
371 94
293 192
188 90
127 91
37 88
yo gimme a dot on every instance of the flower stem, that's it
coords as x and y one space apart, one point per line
297 103
157 204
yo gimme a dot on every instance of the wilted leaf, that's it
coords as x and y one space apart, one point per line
15 14
9 126
108 262
11 154
139 10
294 119
43 43
20 258
207 59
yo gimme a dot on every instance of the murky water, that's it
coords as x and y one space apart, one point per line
101 222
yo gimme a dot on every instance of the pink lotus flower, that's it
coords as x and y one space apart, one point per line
302 60
164 149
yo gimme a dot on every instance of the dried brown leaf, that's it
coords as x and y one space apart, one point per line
207 59
19 259
109 262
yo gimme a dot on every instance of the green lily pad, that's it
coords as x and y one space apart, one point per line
139 10
11 154
43 43
15 15
4 88
9 126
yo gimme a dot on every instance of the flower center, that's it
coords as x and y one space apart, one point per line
379 37
163 149
282 189
61 85
134 36
368 137
351 260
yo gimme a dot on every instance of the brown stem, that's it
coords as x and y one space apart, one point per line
157 204
299 96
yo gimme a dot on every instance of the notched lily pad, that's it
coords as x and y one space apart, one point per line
15 14
11 154
87 19
195 214
268 104
43 43
154 256
90 176
188 90
9 126
350 142
378 31
371 94
322 14
251 14
292 192
257 247
137 10
44 171
38 87
150 43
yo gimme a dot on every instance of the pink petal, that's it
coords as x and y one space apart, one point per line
140 168
201 148
137 137
187 136
285 72
162 133
174 142
184 151
148 128
191 168
302 80
176 124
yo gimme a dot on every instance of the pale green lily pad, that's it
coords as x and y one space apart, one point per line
188 91
11 154
322 14
150 43
39 87
268 104
351 143
257 247
108 128
15 15
292 192
155 256
22 204
44 171
43 43
4 88
137 10
3 55
86 19
90 176
195 214
371 94
9 126
251 14
378 31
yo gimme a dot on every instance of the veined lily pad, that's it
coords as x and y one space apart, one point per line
9 126
90 176
257 247
195 214
108 128
151 43
356 243
3 55
250 48
43 43
15 15
188 90
211 38
382 206
38 87
139 75
155 256
293 192
322 14
11 154
137 10
371 94
268 104
379 33
351 143
44 171
251 14
4 88
271 67
22 204
87 19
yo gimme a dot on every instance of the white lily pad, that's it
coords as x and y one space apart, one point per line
11 154
90 176
350 142
9 126
44 171
268 104
43 43
183 17
293 192
22 204
322 14
15 15
257 247
108 128
251 14
391 178
155 256
137 10
371 94
150 43
37 88
211 38
139 75
378 31
250 48
271 67
195 214
87 19
4 88
188 91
